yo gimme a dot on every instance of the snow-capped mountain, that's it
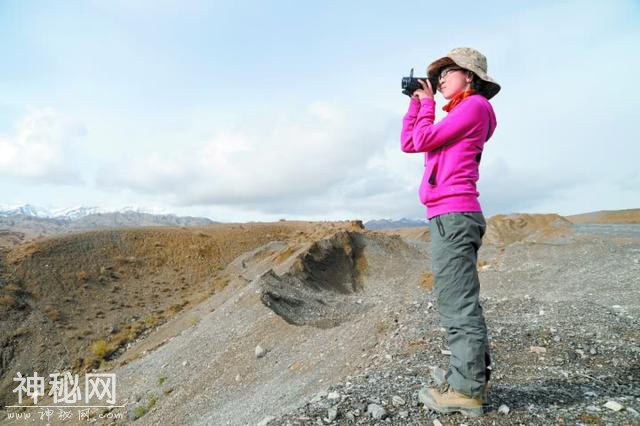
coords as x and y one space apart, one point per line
26 210
25 222
70 213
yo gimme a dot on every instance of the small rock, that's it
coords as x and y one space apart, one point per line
633 411
403 414
184 363
503 409
333 396
436 422
332 413
374 400
445 351
376 411
538 349
397 401
260 352
613 405
360 406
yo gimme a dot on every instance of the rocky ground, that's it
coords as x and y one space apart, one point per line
563 327
340 327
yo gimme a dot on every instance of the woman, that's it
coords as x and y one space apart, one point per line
452 149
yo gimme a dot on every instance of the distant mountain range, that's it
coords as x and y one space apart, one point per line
25 222
22 223
70 213
400 223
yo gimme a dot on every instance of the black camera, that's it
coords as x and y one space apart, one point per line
411 84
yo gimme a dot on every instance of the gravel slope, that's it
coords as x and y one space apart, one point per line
562 310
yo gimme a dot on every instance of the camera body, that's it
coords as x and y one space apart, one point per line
411 84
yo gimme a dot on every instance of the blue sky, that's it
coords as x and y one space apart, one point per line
245 110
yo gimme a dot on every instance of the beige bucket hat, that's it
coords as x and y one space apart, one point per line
470 59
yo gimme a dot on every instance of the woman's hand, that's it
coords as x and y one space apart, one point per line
425 92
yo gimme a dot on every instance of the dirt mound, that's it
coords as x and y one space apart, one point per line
503 230
77 301
208 372
414 233
312 292
629 216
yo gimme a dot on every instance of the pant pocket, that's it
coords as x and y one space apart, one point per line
453 226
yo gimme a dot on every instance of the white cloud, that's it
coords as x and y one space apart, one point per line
273 161
565 135
42 148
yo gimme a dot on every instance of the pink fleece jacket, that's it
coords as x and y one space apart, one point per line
452 149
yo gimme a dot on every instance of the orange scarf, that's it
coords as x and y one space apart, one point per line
457 98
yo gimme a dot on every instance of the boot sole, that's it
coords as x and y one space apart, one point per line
423 397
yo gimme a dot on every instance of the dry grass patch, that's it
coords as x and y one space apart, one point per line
426 281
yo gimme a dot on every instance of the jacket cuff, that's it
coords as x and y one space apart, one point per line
428 107
426 101
414 105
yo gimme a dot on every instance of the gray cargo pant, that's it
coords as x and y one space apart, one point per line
455 240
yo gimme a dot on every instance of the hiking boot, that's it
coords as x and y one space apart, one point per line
440 377
444 399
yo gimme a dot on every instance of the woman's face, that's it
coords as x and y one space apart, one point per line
453 80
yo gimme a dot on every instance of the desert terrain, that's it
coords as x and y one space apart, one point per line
297 323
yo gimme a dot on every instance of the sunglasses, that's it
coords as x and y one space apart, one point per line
446 71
